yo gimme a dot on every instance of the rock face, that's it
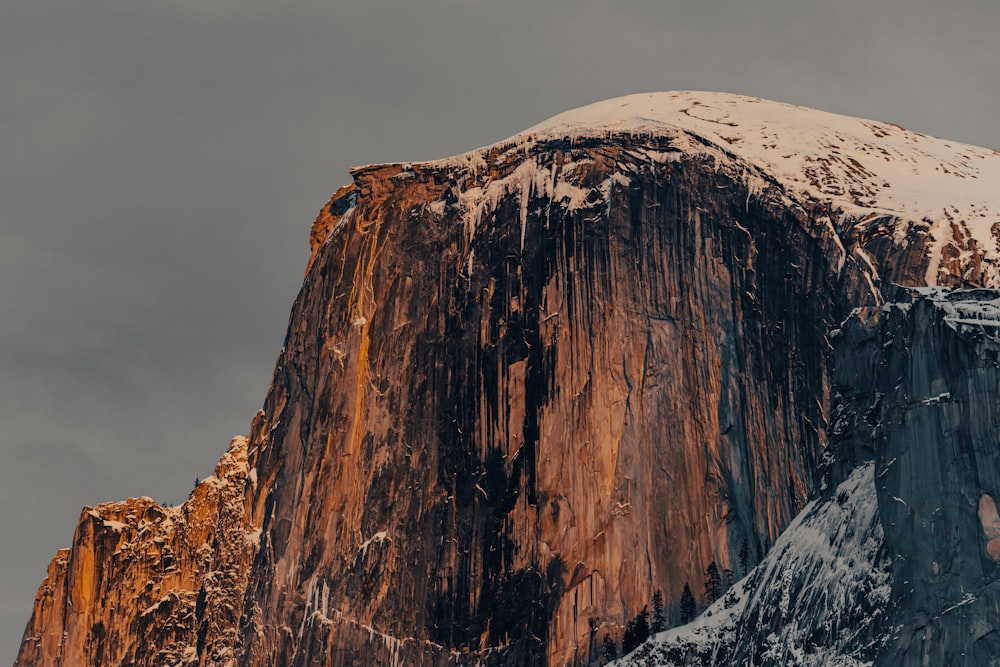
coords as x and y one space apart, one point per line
939 464
525 388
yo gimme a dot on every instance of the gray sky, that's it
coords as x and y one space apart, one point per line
161 162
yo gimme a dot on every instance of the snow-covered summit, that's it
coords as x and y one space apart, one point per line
864 162
946 190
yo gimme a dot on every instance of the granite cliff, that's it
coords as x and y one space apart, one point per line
526 388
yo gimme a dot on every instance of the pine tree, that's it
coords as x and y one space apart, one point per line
642 626
636 632
687 605
744 557
659 621
713 583
609 648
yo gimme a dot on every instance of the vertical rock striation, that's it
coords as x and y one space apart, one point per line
819 597
594 406
525 388
939 473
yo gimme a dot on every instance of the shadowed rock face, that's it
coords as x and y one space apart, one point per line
521 391
939 465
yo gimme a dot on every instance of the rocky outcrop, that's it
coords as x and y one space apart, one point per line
145 584
525 388
939 473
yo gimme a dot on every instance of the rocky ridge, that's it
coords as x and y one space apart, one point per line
148 584
525 388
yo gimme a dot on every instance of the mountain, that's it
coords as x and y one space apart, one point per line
528 389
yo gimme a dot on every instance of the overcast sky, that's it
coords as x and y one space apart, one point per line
161 162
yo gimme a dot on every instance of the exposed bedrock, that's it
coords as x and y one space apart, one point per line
938 462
